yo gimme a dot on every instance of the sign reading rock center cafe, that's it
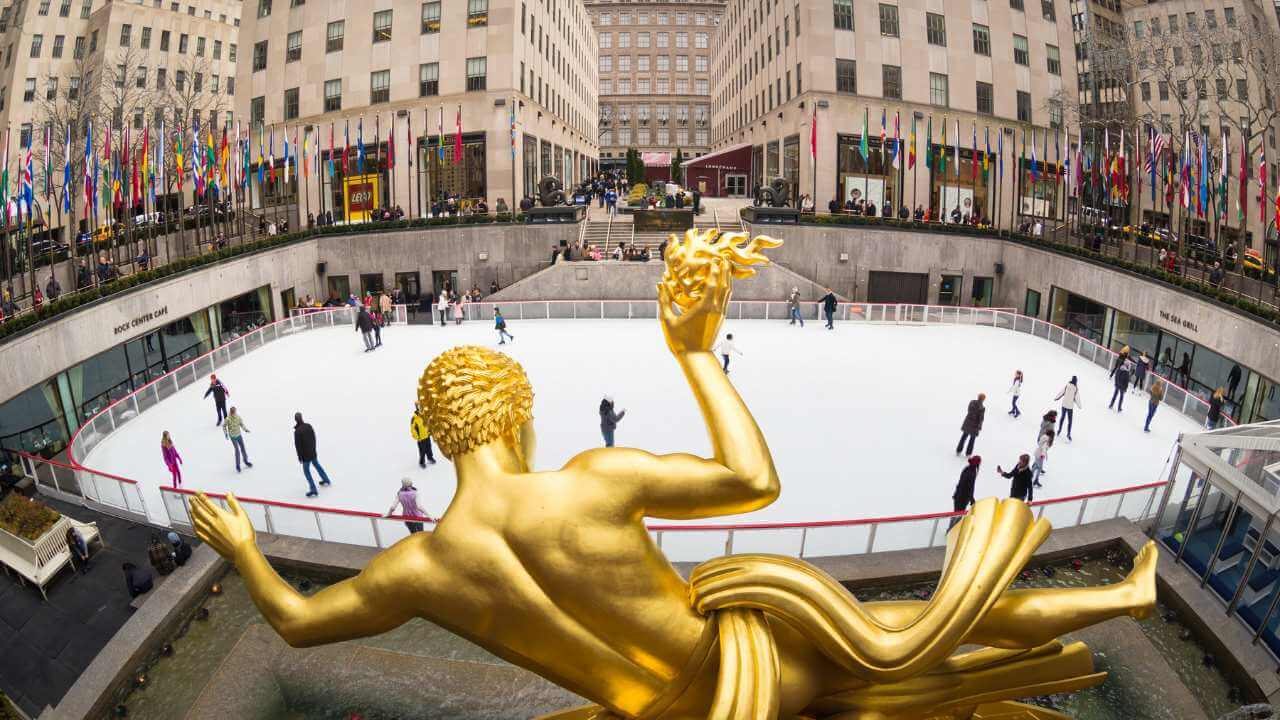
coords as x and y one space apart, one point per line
142 319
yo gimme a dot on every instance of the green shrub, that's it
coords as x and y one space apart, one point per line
28 519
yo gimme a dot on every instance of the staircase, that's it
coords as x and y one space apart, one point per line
596 232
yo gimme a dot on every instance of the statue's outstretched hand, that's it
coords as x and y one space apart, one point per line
226 532
696 329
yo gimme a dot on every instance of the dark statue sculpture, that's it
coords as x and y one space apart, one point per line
777 194
550 193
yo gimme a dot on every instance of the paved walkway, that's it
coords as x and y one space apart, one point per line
47 645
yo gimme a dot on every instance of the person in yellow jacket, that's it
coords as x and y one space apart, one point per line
418 429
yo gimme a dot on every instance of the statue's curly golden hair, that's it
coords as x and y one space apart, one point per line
472 396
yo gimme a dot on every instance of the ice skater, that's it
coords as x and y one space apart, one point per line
972 424
1121 385
609 420
364 324
793 305
407 499
220 393
1140 375
304 442
727 347
234 429
1016 390
1214 415
1042 456
1047 422
962 498
1153 402
829 308
377 330
500 324
171 458
1070 397
1021 476
458 302
421 435
1121 358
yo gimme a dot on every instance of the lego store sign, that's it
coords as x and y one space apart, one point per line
361 196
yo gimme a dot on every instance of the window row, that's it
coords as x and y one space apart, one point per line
658 86
663 137
144 42
661 63
939 91
379 89
701 40
661 113
642 17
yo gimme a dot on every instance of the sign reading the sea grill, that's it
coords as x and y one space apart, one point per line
142 319
1173 319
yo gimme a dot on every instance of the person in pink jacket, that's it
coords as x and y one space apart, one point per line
171 458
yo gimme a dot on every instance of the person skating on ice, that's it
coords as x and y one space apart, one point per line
171 458
1021 486
1042 456
364 325
442 305
962 498
725 348
1047 422
972 424
1153 401
829 308
220 393
304 442
234 429
1121 358
1016 390
1070 397
609 420
500 324
793 307
377 330
1214 415
407 500
458 302
421 435
1121 386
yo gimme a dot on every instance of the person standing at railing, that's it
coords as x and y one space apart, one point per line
407 499
1016 390
972 425
1070 397
793 305
1021 476
419 430
304 443
171 458
829 308
234 429
219 393
962 498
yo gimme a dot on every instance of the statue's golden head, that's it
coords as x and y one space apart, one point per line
473 396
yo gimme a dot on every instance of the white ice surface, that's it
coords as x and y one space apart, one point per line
862 421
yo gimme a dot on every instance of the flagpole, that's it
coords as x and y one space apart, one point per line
915 170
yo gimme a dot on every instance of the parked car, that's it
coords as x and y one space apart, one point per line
1255 266
145 219
1201 249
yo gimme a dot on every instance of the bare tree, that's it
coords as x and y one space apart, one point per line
68 104
1247 81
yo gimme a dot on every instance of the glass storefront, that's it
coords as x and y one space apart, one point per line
530 167
949 190
872 179
442 175
1078 314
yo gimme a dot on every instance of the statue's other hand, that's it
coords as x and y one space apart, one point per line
225 531
696 329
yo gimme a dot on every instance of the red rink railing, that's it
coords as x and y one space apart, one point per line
123 496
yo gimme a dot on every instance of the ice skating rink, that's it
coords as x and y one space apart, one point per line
862 421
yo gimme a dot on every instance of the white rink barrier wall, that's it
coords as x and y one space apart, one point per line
122 496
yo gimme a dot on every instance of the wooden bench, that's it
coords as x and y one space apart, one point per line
38 562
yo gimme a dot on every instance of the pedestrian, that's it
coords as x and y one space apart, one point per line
407 499
1233 379
171 458
609 420
1042 455
234 430
1021 476
793 305
160 555
1140 373
726 347
1215 410
1016 390
52 289
304 442
829 308
1153 402
181 550
79 549
138 580
962 498
377 329
421 433
442 305
500 324
1185 370
1121 358
220 393
972 424
1121 385
364 324
1070 397
384 304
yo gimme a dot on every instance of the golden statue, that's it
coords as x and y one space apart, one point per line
555 572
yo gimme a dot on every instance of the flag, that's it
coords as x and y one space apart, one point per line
346 148
66 172
28 182
262 160
88 178
928 145
306 152
986 154
146 157
1000 153
884 121
440 135
1203 168
48 162
1262 185
942 149
1277 209
1035 167
1224 178
1242 200
271 156
286 157
331 152
956 167
411 148
457 139
391 144
911 149
897 139
863 149
813 136
973 153
360 145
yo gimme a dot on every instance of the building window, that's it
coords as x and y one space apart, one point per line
892 77
164 41
700 40
140 79
1053 61
379 86
37 41
843 14
477 71
642 40
29 90
293 47
1046 9
1021 55
257 110
939 93
180 81
1024 106
291 103
429 79
1229 14
1146 90
382 26
1016 4
200 46
1055 114
1242 90
126 33
936 29
183 41
846 76
332 95
699 63
58 41
682 63
85 9
888 20
145 41
334 34
986 98
477 13
259 55
981 40
264 8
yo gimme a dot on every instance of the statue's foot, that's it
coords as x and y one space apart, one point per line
1141 583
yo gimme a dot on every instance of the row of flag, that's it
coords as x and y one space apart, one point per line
217 160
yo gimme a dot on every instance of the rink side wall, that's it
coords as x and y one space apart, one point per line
637 280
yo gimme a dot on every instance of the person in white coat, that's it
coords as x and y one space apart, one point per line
442 305
1016 390
1041 456
1070 397
726 347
